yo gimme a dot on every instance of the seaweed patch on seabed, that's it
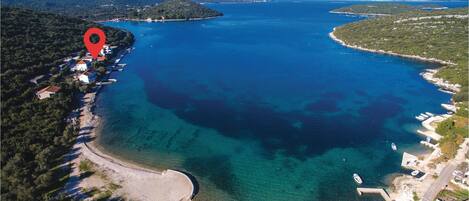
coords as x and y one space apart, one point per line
191 140
171 139
322 106
273 129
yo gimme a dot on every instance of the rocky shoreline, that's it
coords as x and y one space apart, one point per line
428 75
400 184
361 14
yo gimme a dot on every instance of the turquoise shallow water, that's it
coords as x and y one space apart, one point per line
262 105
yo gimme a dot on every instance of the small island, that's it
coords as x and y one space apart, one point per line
438 36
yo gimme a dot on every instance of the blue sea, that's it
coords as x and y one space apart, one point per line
262 105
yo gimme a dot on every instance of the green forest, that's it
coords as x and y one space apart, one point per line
113 9
418 33
384 8
175 9
35 135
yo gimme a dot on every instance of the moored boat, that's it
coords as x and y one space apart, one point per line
429 114
357 178
420 118
393 146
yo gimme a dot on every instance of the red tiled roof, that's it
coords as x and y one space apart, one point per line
54 89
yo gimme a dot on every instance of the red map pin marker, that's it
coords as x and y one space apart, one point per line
94 48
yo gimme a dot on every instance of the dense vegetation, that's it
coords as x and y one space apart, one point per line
112 9
383 8
175 9
418 33
459 194
35 134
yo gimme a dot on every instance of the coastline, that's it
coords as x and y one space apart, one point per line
156 20
136 181
360 14
399 184
428 75
434 60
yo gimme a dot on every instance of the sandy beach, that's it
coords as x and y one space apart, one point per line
127 180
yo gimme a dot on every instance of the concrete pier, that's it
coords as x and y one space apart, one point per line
380 191
432 134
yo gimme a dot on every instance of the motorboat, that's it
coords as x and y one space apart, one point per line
393 146
420 118
429 114
414 173
357 178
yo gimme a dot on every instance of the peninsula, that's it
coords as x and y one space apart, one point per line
383 9
435 36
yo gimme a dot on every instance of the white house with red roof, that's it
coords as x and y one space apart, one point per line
47 92
80 66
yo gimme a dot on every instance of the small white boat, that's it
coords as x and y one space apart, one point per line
357 178
414 173
420 118
393 146
429 114
424 115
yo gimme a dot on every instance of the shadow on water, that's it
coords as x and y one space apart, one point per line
275 130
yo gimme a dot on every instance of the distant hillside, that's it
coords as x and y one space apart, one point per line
176 9
112 9
384 8
35 134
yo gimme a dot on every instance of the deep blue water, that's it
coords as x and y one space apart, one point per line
261 104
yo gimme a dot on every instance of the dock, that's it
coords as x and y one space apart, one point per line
409 161
449 107
380 191
428 144
431 134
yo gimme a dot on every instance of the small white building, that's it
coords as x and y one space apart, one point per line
80 66
47 92
87 77
106 50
